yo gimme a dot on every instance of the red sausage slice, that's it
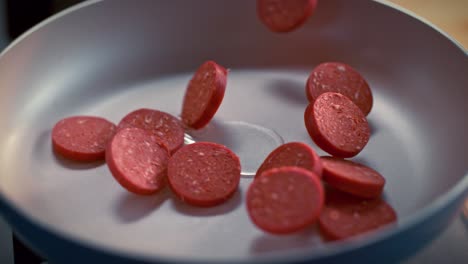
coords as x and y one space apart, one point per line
292 154
204 95
138 161
284 15
204 173
82 138
340 78
285 200
337 125
168 129
352 177
346 216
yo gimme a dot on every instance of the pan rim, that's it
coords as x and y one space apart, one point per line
458 191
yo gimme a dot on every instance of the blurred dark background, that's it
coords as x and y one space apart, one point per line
24 14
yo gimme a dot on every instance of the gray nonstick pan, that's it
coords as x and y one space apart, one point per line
108 58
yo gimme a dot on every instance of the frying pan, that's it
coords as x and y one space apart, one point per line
108 58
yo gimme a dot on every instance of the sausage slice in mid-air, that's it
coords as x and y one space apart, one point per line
204 95
285 15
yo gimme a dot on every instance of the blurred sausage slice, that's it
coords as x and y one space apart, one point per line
285 15
346 216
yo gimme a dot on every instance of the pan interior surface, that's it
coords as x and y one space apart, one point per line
112 57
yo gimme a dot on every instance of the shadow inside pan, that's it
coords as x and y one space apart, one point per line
189 210
131 207
290 91
265 243
76 165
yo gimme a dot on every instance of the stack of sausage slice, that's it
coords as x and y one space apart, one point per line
145 151
293 189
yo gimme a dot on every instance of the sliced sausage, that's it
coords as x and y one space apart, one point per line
346 216
167 128
204 173
340 78
285 200
138 161
292 154
337 125
204 95
82 138
352 177
285 15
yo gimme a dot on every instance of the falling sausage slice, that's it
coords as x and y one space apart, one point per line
138 161
285 200
204 95
337 125
167 128
340 78
82 138
346 216
292 154
352 177
284 15
204 173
